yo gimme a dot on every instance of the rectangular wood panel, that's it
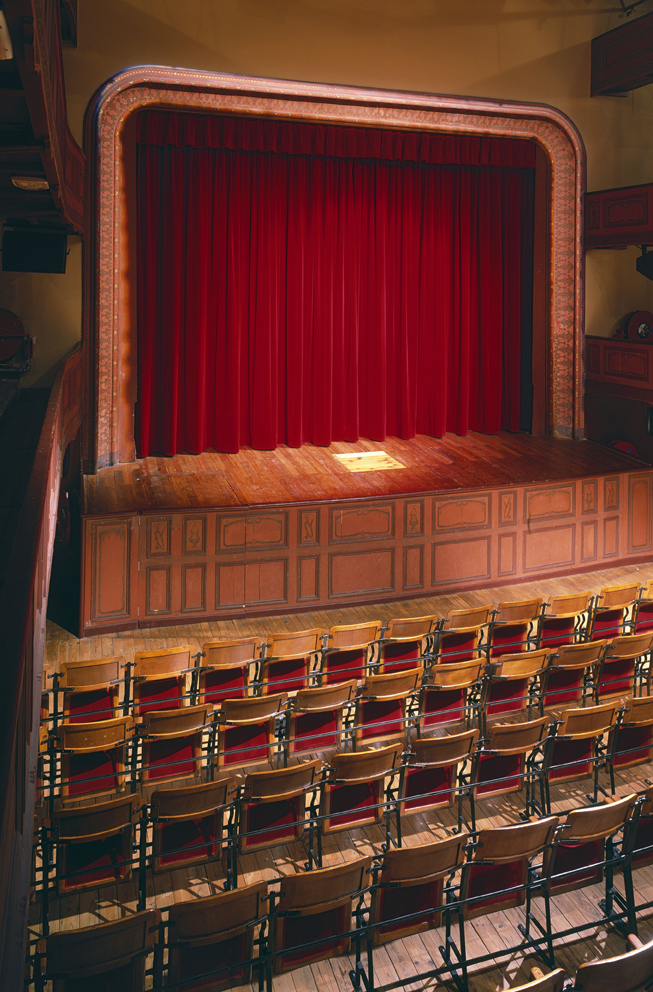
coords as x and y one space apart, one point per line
551 547
308 584
373 522
193 589
414 567
157 590
462 514
639 513
361 572
461 561
111 549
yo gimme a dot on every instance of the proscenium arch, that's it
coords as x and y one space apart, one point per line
109 271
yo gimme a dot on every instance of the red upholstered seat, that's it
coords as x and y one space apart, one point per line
225 669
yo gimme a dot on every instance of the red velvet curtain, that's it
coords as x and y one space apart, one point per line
305 283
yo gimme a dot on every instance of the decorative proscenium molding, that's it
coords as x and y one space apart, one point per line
108 320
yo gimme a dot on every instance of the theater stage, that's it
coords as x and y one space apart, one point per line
194 537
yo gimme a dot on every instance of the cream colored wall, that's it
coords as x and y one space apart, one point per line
536 50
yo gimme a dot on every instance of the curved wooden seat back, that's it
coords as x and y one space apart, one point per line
406 642
273 806
323 900
316 717
518 611
381 706
501 761
568 667
246 730
473 616
227 668
612 610
209 934
348 651
509 850
353 793
643 613
91 689
160 679
510 679
565 619
575 741
626 972
187 826
174 749
553 982
631 742
353 635
94 843
431 774
288 658
444 696
417 875
94 758
113 955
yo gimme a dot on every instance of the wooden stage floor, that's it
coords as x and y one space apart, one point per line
312 473
401 958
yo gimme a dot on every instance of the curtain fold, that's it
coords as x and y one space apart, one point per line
304 283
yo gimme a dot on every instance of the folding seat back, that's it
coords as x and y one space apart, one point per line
553 982
620 666
246 730
226 668
91 689
643 612
273 806
319 908
160 679
407 642
94 843
172 743
93 762
111 955
626 972
571 670
511 757
353 792
214 934
580 851
381 706
613 608
433 771
564 619
287 660
450 694
575 746
348 650
631 742
642 842
415 879
499 863
516 628
471 616
459 644
515 683
187 823
315 721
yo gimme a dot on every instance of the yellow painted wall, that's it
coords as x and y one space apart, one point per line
536 50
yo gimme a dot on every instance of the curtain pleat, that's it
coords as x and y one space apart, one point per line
291 291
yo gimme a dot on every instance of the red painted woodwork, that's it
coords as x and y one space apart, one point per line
622 59
622 216
149 568
621 368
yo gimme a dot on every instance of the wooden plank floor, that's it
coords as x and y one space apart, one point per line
309 473
402 958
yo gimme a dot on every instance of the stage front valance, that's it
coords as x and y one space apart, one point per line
313 283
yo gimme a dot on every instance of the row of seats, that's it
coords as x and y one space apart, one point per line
291 661
351 790
307 916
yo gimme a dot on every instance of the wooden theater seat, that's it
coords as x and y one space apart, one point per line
577 749
159 680
514 684
347 651
626 972
564 620
214 934
317 906
571 672
631 742
273 806
460 643
94 843
103 958
513 758
436 771
93 757
613 609
187 823
91 689
246 730
411 881
620 667
642 620
172 743
514 627
381 706
353 793
225 668
287 660
450 694
407 642
315 718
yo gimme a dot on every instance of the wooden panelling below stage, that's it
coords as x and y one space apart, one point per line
143 570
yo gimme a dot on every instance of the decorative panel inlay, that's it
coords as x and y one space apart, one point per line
414 567
252 583
611 537
627 364
639 513
309 527
551 547
361 573
593 358
111 572
157 590
461 514
556 501
590 496
193 588
252 530
414 518
507 554
158 533
194 536
308 578
362 523
588 537
611 494
507 508
461 561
